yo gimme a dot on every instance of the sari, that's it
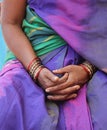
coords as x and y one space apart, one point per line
23 103
82 24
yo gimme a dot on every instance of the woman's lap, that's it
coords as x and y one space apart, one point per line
22 102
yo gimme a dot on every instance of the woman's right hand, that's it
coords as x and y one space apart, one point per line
47 79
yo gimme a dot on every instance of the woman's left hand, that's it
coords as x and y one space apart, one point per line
77 77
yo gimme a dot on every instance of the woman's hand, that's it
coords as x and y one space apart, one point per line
47 79
77 76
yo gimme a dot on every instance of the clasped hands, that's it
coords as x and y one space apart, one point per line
66 87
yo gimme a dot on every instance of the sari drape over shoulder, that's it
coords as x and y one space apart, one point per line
81 23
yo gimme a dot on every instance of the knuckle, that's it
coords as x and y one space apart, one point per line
64 85
71 89
46 84
66 91
59 97
62 92
54 88
65 96
74 88
69 83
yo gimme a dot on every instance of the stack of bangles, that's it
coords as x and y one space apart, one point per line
34 68
89 68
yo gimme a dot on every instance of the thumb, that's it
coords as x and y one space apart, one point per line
52 77
60 71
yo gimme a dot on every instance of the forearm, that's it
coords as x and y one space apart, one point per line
18 43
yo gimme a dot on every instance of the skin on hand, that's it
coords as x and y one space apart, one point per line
48 79
68 89
62 97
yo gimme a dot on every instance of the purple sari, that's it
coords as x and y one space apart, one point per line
82 24
23 103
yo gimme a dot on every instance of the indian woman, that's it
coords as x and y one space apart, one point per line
54 76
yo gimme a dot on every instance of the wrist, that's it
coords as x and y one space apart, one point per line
89 68
34 68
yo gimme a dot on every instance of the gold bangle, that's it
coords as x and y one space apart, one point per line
92 69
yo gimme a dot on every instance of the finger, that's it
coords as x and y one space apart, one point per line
61 97
45 83
43 80
60 86
63 78
56 87
72 96
60 71
51 76
68 90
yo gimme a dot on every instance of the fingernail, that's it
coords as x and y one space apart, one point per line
56 77
54 70
75 95
49 97
47 90
78 87
67 73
